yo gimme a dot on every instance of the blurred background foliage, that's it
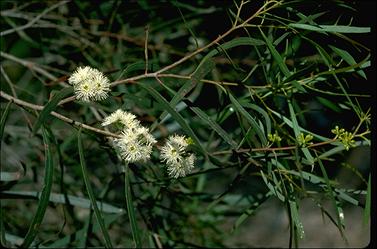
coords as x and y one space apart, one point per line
301 66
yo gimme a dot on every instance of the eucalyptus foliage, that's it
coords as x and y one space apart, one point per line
263 99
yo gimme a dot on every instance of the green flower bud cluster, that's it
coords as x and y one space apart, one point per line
303 140
275 138
344 136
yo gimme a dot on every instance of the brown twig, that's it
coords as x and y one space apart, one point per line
55 114
273 148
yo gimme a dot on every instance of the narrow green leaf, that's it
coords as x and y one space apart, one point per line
3 119
216 127
366 217
78 235
182 92
50 106
249 211
261 111
272 188
276 55
300 73
331 28
340 148
3 241
90 192
290 124
348 58
240 41
204 67
131 209
59 198
329 104
341 194
332 196
258 130
45 193
296 219
279 60
136 66
296 130
201 71
178 117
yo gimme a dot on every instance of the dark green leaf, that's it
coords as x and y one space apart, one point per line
3 119
50 106
366 217
331 28
175 115
279 60
332 196
45 193
131 209
329 104
60 198
348 58
258 130
216 127
240 41
90 192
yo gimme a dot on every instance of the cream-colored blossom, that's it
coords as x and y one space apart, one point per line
135 144
182 168
125 119
89 84
80 75
179 162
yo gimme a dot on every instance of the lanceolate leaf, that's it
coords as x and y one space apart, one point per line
3 119
59 198
251 120
331 28
45 193
50 106
92 198
280 62
216 127
178 117
348 58
240 41
131 209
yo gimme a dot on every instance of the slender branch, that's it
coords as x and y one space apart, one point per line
55 114
31 65
10 83
257 13
273 148
146 49
156 74
29 24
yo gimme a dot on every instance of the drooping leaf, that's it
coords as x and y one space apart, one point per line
178 117
45 193
331 28
4 119
50 106
92 198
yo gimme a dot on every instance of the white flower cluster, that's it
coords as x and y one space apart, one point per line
136 142
123 119
179 161
89 84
